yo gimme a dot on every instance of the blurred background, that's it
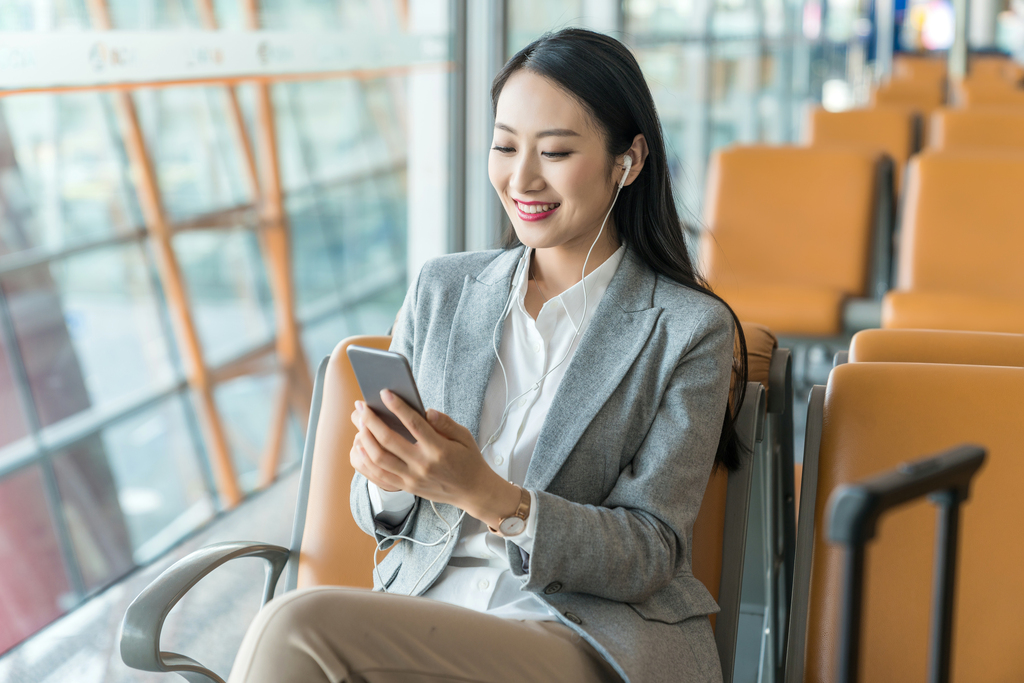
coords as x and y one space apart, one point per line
200 198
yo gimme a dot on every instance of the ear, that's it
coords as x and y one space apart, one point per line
638 153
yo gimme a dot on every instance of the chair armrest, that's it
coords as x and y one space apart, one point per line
144 620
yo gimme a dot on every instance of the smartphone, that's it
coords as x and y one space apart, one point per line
378 370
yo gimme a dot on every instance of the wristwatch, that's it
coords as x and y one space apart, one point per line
514 524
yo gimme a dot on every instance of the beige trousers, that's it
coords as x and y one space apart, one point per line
357 636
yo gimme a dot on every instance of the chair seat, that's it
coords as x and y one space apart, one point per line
952 311
787 309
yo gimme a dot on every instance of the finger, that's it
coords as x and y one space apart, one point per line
450 429
384 435
357 414
380 456
413 421
362 464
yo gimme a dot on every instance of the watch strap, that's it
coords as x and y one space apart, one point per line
522 511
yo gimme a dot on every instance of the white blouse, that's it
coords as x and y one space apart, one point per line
478 574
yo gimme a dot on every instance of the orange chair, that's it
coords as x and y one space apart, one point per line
896 131
986 93
978 128
870 418
790 233
923 96
327 548
995 68
961 244
919 68
936 346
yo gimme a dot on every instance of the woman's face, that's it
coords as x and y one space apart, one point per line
549 164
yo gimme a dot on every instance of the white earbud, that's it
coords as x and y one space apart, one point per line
628 164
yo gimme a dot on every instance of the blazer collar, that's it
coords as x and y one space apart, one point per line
618 331
470 358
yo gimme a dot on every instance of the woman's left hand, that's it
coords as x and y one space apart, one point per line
445 464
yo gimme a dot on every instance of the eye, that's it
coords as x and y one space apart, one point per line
503 150
556 155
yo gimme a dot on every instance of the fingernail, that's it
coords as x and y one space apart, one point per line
360 406
432 415
386 395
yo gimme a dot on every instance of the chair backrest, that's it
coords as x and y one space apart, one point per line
987 93
709 527
961 226
791 216
937 346
922 95
893 130
997 68
875 416
977 128
919 68
334 551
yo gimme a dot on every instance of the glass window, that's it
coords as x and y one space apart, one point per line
34 589
155 14
27 15
12 426
318 145
89 330
161 489
316 264
373 316
366 220
663 16
193 149
247 406
89 501
228 291
62 170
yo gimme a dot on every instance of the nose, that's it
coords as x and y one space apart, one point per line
526 176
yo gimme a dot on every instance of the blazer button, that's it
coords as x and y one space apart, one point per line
573 618
552 588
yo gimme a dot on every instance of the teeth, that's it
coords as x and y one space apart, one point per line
535 208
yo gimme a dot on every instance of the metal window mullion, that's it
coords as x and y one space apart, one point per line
43 457
457 128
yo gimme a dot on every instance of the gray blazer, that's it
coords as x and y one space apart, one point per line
620 465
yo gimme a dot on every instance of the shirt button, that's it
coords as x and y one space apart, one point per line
536 348
573 618
484 584
553 588
522 401
498 460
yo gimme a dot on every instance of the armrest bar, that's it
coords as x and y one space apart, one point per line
144 620
853 514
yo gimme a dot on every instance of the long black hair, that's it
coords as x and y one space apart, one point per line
604 77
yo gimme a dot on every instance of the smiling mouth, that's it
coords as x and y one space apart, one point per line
535 212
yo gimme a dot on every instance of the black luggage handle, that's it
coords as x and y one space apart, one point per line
854 511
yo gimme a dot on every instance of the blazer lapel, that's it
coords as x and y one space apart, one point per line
470 358
620 327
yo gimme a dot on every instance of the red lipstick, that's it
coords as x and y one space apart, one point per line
534 216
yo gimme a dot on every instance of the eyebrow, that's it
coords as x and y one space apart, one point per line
554 132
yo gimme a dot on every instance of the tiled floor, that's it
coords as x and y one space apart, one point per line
207 625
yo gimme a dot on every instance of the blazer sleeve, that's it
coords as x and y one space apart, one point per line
403 340
638 539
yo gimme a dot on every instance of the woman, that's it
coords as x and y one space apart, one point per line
574 421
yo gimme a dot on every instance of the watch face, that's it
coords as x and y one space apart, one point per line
511 526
